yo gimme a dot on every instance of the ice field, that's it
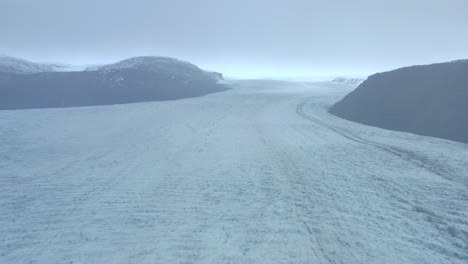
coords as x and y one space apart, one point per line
258 174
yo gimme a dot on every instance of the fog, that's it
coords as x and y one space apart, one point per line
242 38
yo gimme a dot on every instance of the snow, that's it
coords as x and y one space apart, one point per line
258 174
17 65
348 81
153 63
58 67
21 66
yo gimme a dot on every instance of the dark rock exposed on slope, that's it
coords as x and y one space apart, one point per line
138 79
430 100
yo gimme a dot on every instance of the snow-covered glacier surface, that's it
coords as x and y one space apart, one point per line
258 174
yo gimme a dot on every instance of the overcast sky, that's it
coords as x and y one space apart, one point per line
296 38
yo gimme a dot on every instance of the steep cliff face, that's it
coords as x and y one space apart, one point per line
134 80
429 100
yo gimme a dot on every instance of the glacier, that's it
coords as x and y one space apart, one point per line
260 173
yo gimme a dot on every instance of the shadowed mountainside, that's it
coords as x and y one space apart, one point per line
430 100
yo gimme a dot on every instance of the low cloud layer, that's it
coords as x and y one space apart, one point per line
240 38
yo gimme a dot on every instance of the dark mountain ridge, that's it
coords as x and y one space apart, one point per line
137 79
430 100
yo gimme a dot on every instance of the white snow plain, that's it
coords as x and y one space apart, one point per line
258 174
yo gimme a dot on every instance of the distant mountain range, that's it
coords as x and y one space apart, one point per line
429 100
25 84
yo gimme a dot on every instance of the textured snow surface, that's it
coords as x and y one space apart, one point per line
258 174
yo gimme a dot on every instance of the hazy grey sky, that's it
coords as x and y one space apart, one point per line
241 37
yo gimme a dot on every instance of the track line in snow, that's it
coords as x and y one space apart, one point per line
406 155
449 226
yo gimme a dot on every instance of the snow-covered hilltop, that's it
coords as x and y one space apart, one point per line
20 66
153 63
15 65
161 65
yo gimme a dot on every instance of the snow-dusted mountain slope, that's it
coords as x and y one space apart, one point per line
61 67
348 81
20 66
152 63
156 64
258 174
161 65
